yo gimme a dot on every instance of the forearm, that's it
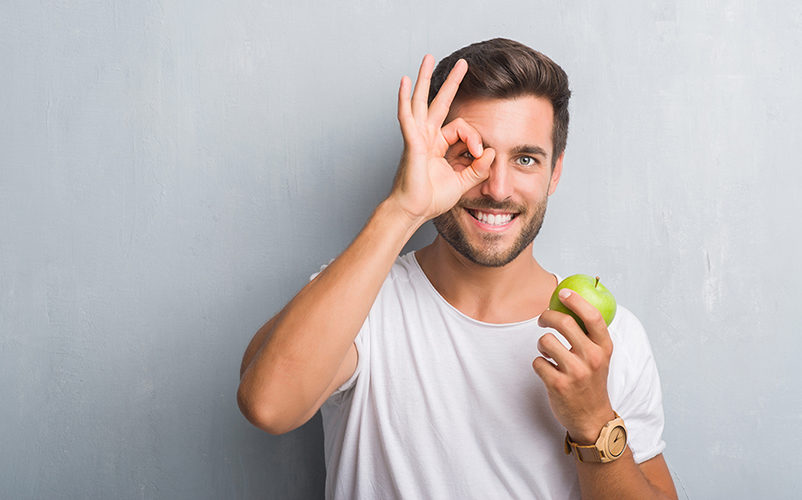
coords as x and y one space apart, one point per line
300 355
623 479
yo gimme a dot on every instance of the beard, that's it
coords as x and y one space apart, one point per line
489 251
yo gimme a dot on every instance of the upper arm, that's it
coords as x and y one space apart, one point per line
344 372
656 472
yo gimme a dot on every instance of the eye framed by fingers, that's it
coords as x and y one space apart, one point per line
458 154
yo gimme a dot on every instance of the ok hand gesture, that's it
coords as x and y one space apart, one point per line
426 185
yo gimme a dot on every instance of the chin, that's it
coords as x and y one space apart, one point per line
495 260
487 253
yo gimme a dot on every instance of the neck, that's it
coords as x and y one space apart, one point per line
517 291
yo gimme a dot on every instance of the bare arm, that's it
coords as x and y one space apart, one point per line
299 357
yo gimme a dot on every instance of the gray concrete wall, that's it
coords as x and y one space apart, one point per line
171 172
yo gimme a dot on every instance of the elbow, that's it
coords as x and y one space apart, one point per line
261 413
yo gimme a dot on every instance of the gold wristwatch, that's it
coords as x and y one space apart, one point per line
611 444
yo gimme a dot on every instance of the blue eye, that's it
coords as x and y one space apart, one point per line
468 155
527 161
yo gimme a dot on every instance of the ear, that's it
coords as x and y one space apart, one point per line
556 173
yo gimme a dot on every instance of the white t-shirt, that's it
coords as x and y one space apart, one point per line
444 406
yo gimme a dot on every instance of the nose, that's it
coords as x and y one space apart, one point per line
498 185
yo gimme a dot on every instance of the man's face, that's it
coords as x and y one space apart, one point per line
495 221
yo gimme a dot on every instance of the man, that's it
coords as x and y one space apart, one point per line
422 365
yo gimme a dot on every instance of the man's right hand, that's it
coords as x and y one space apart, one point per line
426 185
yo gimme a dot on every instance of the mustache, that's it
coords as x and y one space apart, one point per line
480 203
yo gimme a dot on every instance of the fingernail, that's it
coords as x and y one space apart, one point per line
565 293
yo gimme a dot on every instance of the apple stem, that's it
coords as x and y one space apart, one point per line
597 282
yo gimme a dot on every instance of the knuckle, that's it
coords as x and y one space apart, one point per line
560 386
582 373
595 318
565 321
597 359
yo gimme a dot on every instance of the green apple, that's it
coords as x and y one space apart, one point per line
591 290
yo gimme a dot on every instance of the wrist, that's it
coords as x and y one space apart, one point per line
391 211
588 431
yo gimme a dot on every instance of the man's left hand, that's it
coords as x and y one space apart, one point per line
576 380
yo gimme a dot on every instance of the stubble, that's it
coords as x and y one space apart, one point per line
489 252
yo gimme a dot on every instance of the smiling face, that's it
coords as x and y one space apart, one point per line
495 221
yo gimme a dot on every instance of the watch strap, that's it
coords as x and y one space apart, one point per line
583 453
597 452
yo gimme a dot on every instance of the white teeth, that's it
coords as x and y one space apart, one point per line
493 219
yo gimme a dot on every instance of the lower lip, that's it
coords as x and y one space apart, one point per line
489 227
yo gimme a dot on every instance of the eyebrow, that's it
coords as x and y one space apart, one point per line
530 149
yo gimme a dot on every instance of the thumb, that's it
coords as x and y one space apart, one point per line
477 171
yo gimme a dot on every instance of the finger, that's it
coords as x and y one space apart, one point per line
568 327
459 130
420 97
592 318
546 370
549 346
477 171
405 118
445 96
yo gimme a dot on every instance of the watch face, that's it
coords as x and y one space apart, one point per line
617 440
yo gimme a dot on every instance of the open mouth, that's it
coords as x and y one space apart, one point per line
499 219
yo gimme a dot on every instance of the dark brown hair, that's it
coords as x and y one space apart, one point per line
504 69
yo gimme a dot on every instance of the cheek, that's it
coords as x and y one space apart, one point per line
530 185
535 193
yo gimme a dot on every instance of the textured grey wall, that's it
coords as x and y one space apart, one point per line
172 171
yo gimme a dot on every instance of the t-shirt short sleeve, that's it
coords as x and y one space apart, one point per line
637 395
361 350
362 346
